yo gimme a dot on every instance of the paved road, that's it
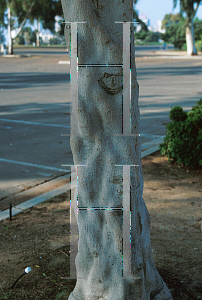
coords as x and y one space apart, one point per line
35 111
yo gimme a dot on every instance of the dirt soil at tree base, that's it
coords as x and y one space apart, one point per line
39 237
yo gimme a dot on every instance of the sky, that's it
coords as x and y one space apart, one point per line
156 9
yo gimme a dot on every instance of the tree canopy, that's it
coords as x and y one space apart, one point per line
175 29
189 7
43 10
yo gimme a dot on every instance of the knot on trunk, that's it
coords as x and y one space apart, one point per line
111 83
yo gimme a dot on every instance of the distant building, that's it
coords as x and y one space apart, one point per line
159 29
46 35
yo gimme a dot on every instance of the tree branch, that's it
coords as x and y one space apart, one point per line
25 19
195 10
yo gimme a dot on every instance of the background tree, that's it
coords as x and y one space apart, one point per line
26 37
44 11
189 7
198 29
175 30
137 19
20 10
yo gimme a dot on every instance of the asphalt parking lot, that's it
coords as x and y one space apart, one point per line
35 110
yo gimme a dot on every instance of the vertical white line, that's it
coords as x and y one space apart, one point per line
126 232
73 222
126 222
73 227
126 79
74 93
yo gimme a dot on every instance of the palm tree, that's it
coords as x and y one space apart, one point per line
189 7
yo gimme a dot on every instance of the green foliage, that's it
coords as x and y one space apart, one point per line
141 35
187 6
20 40
6 295
54 41
184 47
198 45
44 10
152 37
198 29
27 36
147 36
177 114
33 38
175 30
183 140
60 295
3 6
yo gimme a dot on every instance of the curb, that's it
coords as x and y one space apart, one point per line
15 55
148 148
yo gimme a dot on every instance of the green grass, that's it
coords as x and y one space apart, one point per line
60 295
6 295
42 46
152 43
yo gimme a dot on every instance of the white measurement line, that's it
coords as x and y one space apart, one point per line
100 65
34 123
33 165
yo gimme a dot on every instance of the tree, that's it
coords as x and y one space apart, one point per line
44 12
136 17
175 26
189 7
26 37
198 29
17 14
20 11
97 143
175 30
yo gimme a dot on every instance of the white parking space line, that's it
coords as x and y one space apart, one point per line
64 62
34 123
33 165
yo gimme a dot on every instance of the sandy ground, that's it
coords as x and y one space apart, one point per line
39 237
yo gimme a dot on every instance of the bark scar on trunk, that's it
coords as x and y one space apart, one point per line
111 83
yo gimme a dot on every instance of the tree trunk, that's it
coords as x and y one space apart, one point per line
37 34
191 49
10 44
95 124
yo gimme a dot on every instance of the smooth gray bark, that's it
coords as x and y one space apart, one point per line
10 48
98 119
190 40
38 34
